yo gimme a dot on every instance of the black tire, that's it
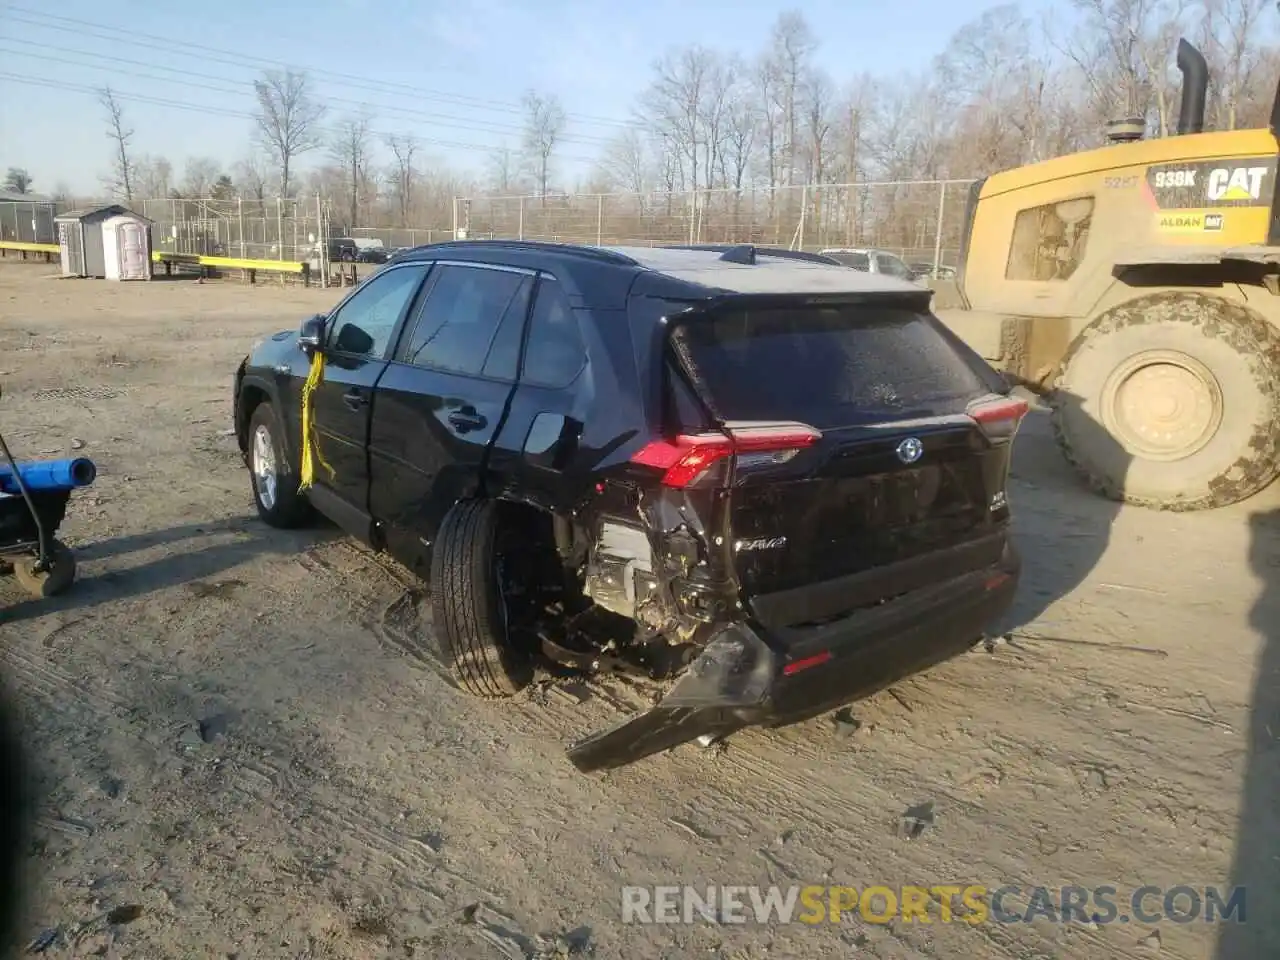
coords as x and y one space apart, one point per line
47 583
280 506
467 606
1219 447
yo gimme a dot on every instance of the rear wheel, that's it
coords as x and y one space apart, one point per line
47 583
471 565
1170 401
275 481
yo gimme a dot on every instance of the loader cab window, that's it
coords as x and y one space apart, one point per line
1049 241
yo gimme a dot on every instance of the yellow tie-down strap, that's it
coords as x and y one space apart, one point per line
310 440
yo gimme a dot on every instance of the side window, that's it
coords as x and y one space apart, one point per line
504 353
1049 242
364 324
460 317
555 354
684 413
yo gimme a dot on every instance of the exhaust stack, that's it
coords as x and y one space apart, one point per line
1195 87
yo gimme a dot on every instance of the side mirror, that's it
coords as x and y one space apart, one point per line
311 334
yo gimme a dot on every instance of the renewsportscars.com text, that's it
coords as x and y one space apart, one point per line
972 904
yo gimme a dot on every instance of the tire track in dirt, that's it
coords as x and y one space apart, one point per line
761 778
255 770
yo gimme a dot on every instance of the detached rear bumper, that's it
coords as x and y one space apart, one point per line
749 676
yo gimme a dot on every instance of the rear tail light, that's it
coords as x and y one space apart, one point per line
687 458
999 417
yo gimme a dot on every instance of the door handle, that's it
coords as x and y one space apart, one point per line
467 419
355 399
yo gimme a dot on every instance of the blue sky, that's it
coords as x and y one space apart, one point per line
456 69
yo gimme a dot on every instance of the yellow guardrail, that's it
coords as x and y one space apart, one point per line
231 263
24 247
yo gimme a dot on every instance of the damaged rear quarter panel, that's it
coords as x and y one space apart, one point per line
657 556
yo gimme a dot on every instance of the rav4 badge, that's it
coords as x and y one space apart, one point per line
760 543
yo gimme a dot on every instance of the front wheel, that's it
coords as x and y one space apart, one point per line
275 481
1171 401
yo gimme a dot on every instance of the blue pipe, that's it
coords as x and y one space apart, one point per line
49 475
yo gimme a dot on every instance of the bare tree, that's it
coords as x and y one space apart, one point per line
252 174
17 180
625 164
504 171
351 150
1124 53
198 177
288 119
1229 32
675 105
791 50
152 176
544 125
714 115
403 147
121 179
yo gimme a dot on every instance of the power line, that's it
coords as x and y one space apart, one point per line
153 41
246 90
223 111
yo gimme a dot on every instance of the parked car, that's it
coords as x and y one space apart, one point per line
342 250
870 261
769 485
924 271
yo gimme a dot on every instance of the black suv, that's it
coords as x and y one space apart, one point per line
771 484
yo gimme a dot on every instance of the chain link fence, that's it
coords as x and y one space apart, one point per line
920 220
27 221
270 229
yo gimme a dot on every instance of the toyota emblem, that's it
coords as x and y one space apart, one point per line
910 450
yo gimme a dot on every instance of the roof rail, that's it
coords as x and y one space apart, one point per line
782 253
542 246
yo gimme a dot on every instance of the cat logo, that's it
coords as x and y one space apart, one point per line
1236 183
1213 221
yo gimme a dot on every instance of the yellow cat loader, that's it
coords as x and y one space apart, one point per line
1137 286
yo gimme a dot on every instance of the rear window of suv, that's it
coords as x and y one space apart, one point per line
827 366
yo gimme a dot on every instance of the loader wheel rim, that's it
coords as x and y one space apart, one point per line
264 466
1162 405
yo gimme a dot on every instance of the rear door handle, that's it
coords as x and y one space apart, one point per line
467 419
355 399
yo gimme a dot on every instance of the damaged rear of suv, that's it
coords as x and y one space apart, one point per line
769 484
823 513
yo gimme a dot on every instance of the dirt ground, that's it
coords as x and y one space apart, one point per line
235 757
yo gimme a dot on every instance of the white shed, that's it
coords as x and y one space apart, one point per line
126 247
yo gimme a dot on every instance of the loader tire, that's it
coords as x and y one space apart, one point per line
468 608
1171 401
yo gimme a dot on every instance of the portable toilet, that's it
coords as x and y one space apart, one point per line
126 247
80 237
